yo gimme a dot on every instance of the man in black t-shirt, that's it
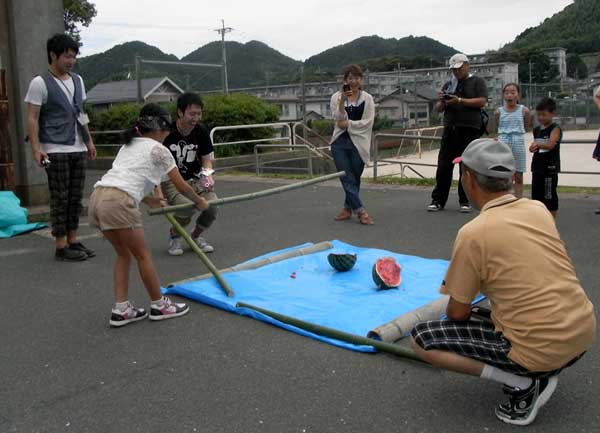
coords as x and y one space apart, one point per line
191 146
461 99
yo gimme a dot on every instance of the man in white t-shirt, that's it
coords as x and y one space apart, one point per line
61 142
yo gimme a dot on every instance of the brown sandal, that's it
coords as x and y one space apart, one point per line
365 219
345 214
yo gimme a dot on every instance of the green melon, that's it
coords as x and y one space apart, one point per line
342 262
386 273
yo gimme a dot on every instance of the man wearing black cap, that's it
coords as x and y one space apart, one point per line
541 319
461 99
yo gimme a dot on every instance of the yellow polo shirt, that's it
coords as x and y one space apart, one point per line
512 253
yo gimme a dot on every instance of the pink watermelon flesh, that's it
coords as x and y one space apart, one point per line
389 271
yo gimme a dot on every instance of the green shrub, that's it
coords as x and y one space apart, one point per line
219 110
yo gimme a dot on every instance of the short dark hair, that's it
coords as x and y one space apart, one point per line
352 69
546 104
188 99
60 44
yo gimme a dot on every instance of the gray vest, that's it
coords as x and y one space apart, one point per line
58 117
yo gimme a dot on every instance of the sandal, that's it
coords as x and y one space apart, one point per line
365 219
345 214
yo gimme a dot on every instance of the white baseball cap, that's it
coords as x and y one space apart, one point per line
457 60
489 157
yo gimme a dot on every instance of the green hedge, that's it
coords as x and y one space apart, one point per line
219 110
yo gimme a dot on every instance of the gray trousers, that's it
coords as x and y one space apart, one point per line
184 217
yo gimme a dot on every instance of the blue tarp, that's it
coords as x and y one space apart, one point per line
13 217
308 289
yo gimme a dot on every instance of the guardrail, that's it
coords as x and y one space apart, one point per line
320 150
278 125
408 164
308 148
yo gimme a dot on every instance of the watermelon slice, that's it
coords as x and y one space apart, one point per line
342 262
386 273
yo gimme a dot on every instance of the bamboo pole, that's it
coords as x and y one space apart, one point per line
321 246
249 196
211 267
395 349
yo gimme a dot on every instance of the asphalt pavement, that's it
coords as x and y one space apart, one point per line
62 369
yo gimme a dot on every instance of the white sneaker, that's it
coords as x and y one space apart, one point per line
465 208
204 246
175 246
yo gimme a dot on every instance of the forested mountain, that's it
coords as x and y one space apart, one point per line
255 63
576 28
118 62
371 47
249 64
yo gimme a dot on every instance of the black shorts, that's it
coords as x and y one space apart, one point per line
543 188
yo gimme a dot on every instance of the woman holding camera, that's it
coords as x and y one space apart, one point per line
353 111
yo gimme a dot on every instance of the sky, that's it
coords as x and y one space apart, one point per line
302 29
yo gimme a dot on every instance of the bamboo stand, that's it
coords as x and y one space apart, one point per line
211 267
321 246
334 333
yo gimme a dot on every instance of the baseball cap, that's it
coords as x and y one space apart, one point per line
489 157
457 60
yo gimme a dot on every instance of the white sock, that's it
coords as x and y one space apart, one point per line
159 302
122 306
506 378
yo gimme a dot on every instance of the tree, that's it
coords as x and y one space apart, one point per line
542 69
75 13
576 67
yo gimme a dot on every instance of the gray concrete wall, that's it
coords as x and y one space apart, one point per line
25 25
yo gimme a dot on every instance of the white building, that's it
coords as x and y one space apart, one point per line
422 82
558 57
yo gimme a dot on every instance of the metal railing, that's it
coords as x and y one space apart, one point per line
309 151
380 135
409 164
115 131
285 127
320 150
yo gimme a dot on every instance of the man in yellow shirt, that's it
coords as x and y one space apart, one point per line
541 319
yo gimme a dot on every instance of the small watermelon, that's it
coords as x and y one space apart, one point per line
342 262
386 273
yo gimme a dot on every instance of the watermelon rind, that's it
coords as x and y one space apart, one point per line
342 262
380 280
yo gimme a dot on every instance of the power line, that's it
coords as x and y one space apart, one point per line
222 31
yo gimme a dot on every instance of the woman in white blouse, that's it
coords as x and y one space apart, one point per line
114 208
353 110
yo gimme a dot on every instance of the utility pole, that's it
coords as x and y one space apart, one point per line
138 78
222 32
530 87
303 90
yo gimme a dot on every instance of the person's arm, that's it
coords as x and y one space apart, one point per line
597 98
338 111
526 118
33 130
156 200
186 190
552 141
479 102
91 148
497 119
457 310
